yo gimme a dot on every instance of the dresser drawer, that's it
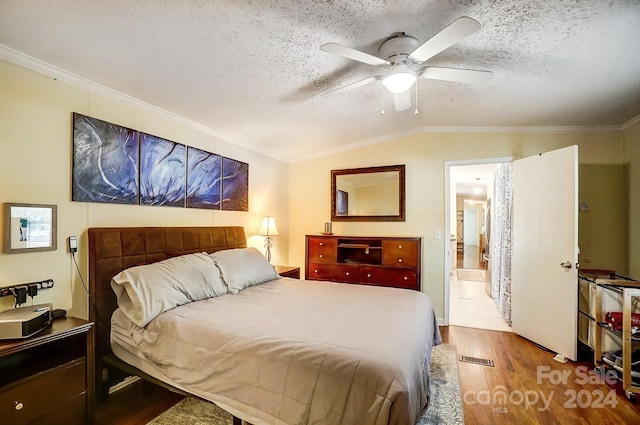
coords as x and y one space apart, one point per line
25 401
396 277
322 250
334 273
400 253
73 412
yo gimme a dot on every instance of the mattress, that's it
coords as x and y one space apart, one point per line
294 352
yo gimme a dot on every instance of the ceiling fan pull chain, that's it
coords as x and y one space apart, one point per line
382 97
416 111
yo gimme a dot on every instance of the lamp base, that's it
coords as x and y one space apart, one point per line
268 244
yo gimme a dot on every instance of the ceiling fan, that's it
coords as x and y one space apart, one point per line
403 56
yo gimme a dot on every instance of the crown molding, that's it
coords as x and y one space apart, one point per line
476 130
20 59
630 123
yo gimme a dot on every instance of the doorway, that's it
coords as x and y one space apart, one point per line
468 284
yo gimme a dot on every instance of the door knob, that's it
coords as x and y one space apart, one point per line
566 265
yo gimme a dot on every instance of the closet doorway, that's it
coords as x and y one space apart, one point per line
468 301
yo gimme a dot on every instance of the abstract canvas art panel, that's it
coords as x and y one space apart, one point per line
235 185
162 171
105 162
204 178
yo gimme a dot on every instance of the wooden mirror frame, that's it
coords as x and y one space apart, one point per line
400 169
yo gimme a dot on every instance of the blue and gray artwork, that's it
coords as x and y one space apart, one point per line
204 172
105 162
162 171
235 185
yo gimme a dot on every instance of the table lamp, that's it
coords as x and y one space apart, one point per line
268 228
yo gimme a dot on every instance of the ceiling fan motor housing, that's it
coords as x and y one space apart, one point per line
397 49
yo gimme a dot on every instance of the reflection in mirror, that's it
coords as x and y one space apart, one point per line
29 227
368 194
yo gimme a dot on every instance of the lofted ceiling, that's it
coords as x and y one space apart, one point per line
253 73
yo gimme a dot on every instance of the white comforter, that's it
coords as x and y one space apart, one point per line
298 352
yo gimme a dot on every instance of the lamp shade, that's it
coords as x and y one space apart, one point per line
268 227
399 82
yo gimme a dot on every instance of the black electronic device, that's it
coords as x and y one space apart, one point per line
57 313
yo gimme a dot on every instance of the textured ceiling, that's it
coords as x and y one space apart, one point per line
253 71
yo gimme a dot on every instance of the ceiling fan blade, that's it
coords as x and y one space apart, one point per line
469 76
402 101
353 85
357 55
457 31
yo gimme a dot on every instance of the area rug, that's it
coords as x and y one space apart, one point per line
445 407
475 275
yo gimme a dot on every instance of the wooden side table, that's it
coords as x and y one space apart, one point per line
47 378
288 271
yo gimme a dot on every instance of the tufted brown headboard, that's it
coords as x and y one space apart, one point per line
113 249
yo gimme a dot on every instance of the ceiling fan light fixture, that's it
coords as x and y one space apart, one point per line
399 82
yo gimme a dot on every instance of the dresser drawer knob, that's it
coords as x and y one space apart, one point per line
347 273
19 405
320 255
368 274
399 260
399 246
406 278
321 244
315 271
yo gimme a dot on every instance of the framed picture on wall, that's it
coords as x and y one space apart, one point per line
235 185
30 227
204 179
163 171
105 162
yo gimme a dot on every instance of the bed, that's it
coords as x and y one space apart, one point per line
283 351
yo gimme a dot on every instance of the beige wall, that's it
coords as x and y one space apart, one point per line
632 168
35 167
424 156
603 227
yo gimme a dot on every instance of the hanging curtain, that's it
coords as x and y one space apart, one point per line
500 242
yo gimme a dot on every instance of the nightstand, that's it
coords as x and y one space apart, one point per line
288 271
45 379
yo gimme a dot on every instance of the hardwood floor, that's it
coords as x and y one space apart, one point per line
130 407
522 372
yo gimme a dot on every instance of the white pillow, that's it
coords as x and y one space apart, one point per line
243 267
145 291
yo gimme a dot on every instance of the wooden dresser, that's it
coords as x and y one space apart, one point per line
383 261
44 379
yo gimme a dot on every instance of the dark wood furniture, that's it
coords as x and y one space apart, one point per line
113 249
383 261
288 271
47 379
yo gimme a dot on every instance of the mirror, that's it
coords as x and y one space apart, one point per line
368 194
29 228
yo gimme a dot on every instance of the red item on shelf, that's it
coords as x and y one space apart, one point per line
614 319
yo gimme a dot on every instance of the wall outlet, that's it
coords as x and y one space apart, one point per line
73 244
438 234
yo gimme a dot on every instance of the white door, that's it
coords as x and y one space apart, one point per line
544 288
